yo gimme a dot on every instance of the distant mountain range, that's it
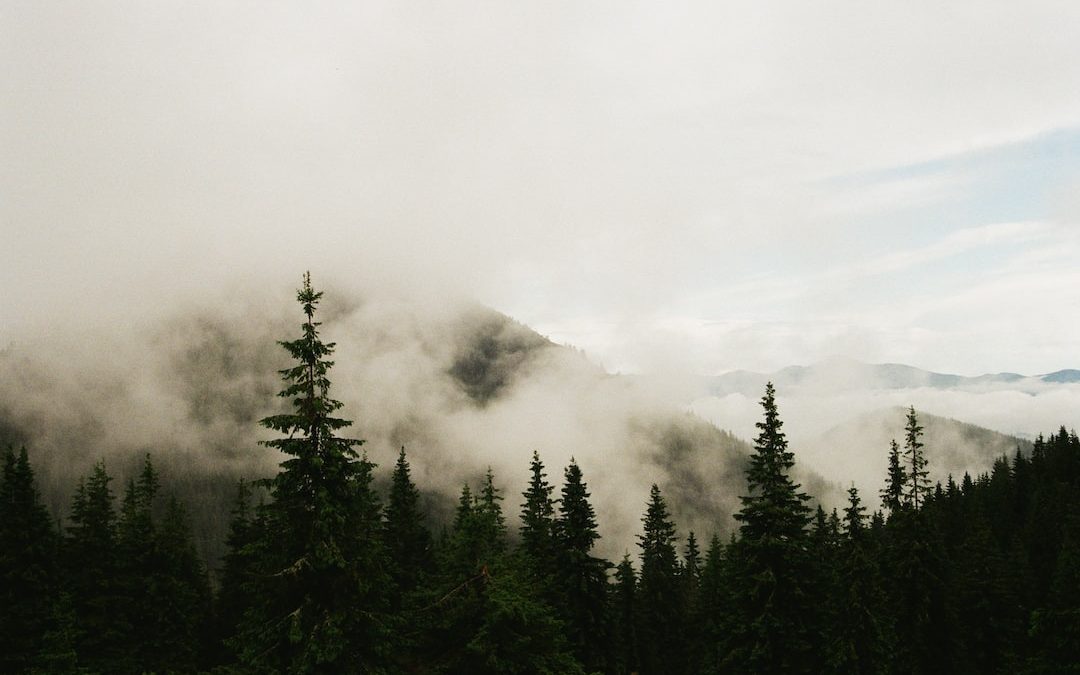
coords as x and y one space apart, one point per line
843 374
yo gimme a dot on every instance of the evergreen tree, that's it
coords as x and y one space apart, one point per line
861 639
660 636
183 591
408 541
770 566
538 525
321 588
27 550
892 496
624 614
237 571
712 608
918 485
492 618
92 577
581 577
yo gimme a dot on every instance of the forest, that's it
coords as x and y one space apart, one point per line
326 573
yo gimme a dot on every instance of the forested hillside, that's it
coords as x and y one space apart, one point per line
326 571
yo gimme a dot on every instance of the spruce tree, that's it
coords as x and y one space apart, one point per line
660 637
27 574
580 576
771 604
237 570
892 495
92 577
489 616
918 485
624 612
408 541
321 587
861 639
538 525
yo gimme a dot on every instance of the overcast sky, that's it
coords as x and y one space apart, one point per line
691 186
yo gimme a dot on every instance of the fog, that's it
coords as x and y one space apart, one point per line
461 387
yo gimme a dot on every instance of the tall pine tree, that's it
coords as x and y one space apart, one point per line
27 574
321 590
771 604
918 483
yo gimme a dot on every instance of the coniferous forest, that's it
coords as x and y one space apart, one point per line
326 574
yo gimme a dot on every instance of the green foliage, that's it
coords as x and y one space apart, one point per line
769 570
624 613
320 587
92 576
27 565
892 495
918 484
580 576
660 619
408 542
538 526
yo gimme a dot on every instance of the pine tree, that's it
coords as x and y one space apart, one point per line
892 496
321 589
918 484
489 617
92 577
712 608
861 639
538 524
580 576
27 574
183 591
660 638
772 605
238 568
408 541
624 612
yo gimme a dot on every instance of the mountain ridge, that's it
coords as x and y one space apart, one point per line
842 374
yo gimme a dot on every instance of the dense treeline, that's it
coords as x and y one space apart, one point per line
322 576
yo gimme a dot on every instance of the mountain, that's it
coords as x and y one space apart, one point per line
860 445
462 387
841 374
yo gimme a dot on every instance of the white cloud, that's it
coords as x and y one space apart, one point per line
596 163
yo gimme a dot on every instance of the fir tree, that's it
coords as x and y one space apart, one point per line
660 638
408 542
581 577
237 571
321 590
92 577
624 613
538 523
770 566
892 496
27 574
918 484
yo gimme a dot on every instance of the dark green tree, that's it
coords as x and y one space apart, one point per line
321 589
624 612
408 541
659 633
538 525
861 638
489 617
770 565
237 572
918 483
27 572
581 577
892 495
92 577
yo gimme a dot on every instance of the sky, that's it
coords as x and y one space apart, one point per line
681 187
